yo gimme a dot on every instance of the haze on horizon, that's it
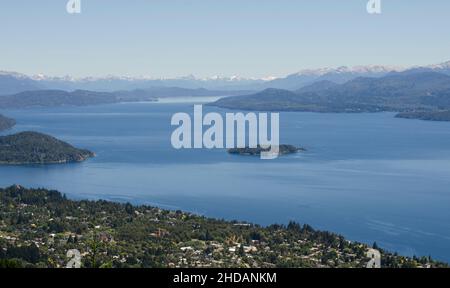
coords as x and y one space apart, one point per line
251 38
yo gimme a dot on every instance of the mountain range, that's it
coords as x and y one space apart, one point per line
56 98
114 83
418 92
408 91
12 82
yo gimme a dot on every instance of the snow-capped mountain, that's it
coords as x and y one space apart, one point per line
12 82
13 74
112 83
234 78
371 69
338 75
441 68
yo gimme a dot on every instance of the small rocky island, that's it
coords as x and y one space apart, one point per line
37 148
283 150
6 123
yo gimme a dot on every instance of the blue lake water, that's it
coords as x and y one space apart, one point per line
369 177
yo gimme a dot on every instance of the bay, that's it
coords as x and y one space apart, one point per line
369 177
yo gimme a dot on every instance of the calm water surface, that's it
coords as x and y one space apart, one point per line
370 177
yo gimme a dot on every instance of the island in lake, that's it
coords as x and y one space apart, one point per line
38 148
6 123
283 150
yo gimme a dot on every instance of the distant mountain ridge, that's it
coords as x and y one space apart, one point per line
113 83
337 75
11 82
399 91
57 98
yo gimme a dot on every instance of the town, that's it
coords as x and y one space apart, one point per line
39 227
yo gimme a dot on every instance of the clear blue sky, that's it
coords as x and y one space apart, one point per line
167 38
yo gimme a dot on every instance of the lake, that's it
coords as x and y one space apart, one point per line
369 177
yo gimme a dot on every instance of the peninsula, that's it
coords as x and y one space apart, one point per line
37 148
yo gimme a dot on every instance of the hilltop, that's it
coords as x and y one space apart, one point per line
38 148
399 92
57 98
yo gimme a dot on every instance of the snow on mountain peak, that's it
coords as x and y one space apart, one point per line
444 65
13 74
315 73
346 69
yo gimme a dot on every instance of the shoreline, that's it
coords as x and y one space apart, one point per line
61 162
167 222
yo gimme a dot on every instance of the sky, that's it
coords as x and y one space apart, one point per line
249 38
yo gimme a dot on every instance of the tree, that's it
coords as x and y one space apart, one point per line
241 251
10 263
375 246
129 208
